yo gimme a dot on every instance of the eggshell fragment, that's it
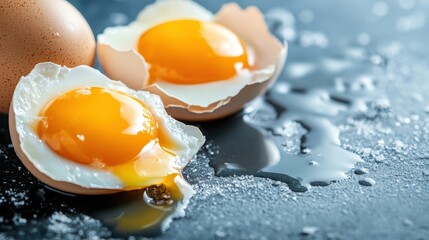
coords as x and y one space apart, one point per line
136 71
210 101
48 81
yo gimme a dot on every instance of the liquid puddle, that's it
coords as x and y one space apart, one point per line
147 212
289 135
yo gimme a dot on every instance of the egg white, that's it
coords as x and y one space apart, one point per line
47 81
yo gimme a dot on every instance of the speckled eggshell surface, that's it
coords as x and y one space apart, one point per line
34 31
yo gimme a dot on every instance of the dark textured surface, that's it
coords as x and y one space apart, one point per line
386 41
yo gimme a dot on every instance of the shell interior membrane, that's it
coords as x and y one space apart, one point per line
77 126
218 56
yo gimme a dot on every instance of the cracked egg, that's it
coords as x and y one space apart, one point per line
80 132
203 66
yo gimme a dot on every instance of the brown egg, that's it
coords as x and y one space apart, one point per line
34 31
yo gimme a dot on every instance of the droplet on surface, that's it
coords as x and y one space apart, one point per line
364 39
380 8
276 183
407 4
361 171
407 222
411 22
306 16
220 234
313 39
118 18
309 230
299 70
368 182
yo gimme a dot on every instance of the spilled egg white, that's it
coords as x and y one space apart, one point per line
47 81
197 102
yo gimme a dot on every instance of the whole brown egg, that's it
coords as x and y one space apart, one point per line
34 31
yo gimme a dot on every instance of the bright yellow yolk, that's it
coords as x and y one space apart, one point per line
97 127
192 52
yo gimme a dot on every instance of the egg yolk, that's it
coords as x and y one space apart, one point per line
96 126
192 52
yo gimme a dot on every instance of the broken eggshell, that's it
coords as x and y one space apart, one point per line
120 60
47 81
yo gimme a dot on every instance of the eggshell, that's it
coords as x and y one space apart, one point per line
34 31
267 53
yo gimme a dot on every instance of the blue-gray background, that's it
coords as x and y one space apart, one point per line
393 142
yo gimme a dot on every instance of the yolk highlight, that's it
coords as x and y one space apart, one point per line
97 127
192 52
